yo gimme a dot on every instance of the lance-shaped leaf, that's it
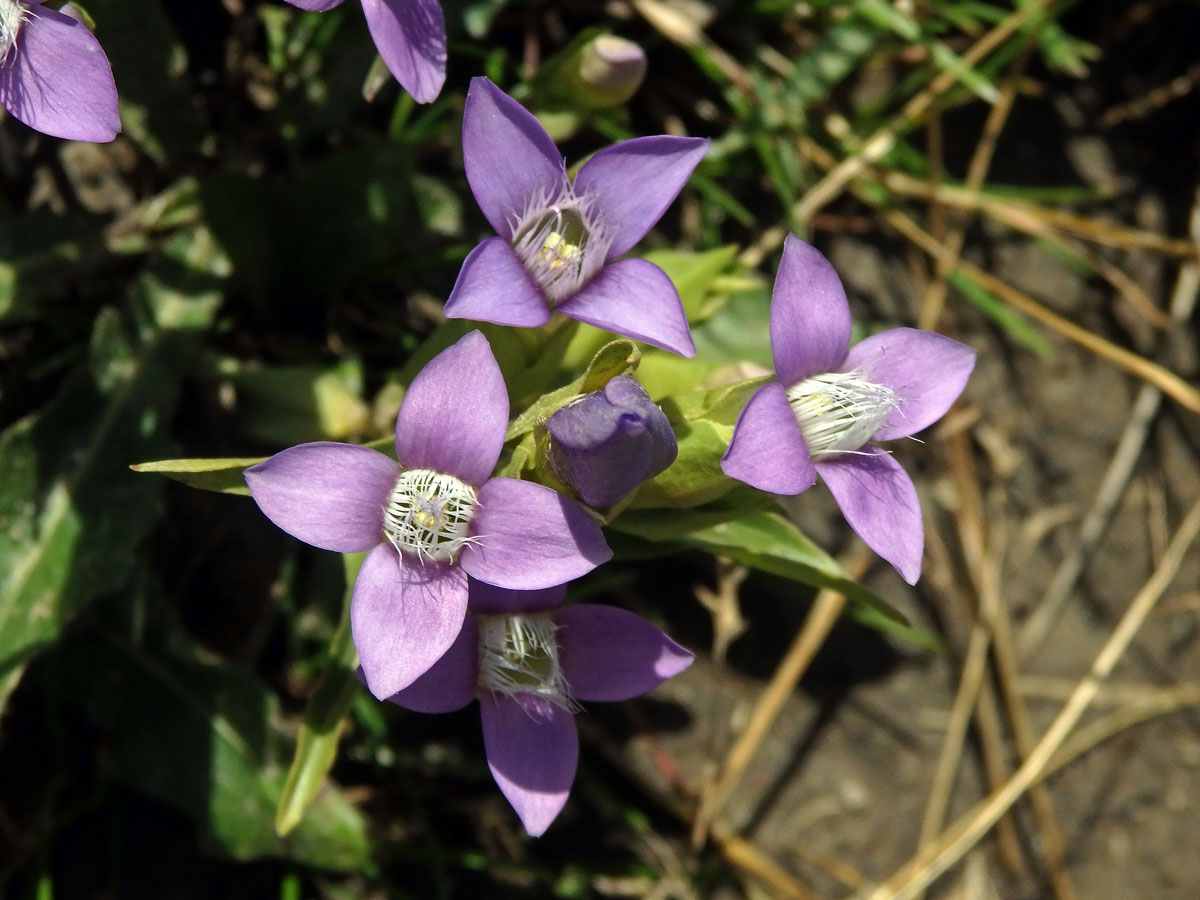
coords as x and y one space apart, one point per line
71 513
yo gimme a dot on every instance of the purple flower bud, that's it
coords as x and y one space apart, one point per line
607 71
608 442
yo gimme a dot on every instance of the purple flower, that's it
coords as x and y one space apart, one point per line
430 520
558 238
530 663
54 76
606 443
830 399
410 35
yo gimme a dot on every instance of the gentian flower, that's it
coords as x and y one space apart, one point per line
54 75
529 663
604 444
830 399
431 519
559 239
410 35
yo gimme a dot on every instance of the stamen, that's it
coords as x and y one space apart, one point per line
561 244
838 412
519 655
12 16
429 514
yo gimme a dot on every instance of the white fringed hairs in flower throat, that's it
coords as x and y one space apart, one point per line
519 655
560 244
838 412
429 515
12 16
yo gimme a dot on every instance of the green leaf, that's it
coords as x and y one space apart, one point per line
204 736
1002 314
222 475
695 275
226 476
768 541
71 513
324 718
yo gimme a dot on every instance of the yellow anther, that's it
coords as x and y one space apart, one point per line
556 252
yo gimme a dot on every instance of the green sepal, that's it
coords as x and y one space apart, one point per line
615 358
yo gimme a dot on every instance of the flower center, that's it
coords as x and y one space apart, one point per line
12 16
561 244
519 655
838 412
428 515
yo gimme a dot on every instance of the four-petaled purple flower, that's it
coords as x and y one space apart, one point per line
431 519
410 35
54 75
559 239
830 399
530 663
604 444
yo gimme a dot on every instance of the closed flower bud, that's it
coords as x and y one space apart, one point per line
608 71
608 442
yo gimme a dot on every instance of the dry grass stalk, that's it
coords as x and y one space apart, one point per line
878 144
957 840
1116 476
994 612
934 298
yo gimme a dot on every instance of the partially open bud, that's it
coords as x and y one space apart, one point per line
608 442
606 71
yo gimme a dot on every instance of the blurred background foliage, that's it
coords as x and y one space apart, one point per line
255 262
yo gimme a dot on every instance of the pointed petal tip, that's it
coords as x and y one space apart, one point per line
440 428
880 503
532 750
810 316
508 156
636 299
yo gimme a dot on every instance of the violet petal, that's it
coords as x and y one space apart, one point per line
448 684
632 183
58 81
927 370
455 413
532 749
493 286
810 318
611 654
489 599
410 35
404 616
879 501
634 298
316 5
531 537
328 495
768 450
509 158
